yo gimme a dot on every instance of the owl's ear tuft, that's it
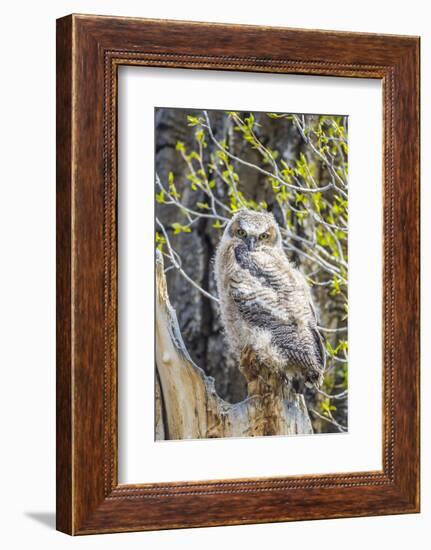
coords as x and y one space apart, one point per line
242 210
238 214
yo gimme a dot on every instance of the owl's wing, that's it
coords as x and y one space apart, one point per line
318 340
319 348
302 349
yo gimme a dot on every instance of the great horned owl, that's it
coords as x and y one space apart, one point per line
265 302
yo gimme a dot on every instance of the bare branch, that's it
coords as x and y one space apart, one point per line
331 420
180 269
342 395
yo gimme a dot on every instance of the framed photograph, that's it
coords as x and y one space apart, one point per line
237 274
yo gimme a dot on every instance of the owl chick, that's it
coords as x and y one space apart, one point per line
265 302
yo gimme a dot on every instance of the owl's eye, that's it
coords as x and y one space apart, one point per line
263 236
241 233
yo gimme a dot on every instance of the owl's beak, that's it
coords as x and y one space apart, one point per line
251 243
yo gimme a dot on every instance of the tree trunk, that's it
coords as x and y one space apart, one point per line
187 404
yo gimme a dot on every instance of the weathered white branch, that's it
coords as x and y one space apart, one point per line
189 407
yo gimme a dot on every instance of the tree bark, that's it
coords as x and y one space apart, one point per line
187 403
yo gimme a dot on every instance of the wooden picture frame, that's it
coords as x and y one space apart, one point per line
89 51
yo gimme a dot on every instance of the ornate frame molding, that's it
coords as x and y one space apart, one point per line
89 498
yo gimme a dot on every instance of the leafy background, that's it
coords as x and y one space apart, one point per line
211 163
